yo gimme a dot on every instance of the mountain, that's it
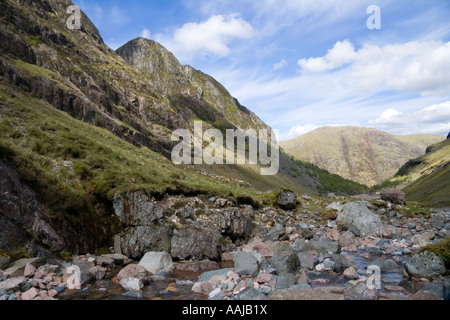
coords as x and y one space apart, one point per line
187 88
364 155
81 124
427 177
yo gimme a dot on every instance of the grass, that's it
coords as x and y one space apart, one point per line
76 169
390 183
33 40
20 253
104 250
414 208
441 249
4 254
65 256
432 190
431 173
33 71
329 182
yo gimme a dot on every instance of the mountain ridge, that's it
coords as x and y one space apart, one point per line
365 155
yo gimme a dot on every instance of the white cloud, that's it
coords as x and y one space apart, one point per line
209 37
146 34
413 66
300 130
433 119
421 67
341 54
297 131
279 65
390 116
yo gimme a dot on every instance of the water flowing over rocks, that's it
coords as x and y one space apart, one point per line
198 249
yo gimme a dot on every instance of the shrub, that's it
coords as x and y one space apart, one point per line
20 253
65 255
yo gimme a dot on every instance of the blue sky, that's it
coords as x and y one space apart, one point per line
302 64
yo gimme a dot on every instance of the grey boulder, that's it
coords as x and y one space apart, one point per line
425 265
245 263
394 196
287 200
156 262
322 247
196 243
285 260
358 214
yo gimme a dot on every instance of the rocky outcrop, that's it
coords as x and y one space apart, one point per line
196 242
22 217
185 86
137 240
137 209
233 222
145 229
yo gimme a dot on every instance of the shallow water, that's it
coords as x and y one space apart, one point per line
362 259
156 290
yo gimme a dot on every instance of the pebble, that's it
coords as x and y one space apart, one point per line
30 294
321 282
265 289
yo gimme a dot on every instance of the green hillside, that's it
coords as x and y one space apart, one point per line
429 176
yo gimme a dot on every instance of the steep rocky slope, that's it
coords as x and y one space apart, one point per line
365 155
187 88
427 177
80 126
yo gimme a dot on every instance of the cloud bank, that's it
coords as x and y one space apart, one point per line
210 37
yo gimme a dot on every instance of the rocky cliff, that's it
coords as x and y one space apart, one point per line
186 88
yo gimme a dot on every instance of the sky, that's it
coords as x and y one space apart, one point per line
304 64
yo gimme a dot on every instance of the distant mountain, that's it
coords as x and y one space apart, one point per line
428 176
364 155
